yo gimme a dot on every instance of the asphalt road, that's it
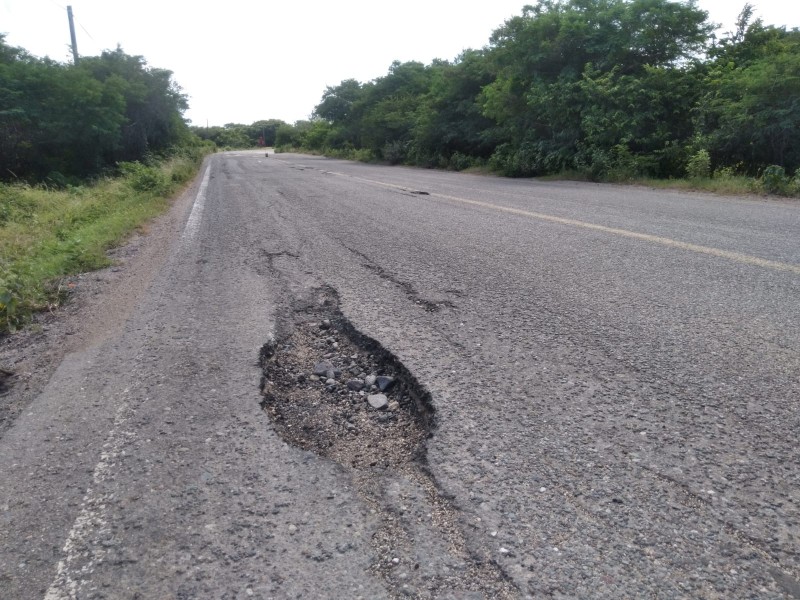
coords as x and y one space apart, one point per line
615 375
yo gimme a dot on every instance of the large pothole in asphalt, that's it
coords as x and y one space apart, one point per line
330 390
334 391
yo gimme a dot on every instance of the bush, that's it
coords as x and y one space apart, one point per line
774 180
460 162
623 166
724 173
144 179
514 162
794 184
363 155
395 152
699 165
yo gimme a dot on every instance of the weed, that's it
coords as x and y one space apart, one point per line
15 292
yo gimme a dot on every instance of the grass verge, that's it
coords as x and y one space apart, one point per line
47 234
725 184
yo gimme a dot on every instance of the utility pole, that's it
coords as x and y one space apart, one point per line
72 35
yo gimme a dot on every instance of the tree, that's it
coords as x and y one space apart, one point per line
540 58
79 120
449 118
750 113
154 103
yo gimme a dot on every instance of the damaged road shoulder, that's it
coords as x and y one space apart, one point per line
333 391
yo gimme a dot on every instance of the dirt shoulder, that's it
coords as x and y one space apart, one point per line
97 305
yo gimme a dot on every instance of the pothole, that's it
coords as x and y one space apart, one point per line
334 391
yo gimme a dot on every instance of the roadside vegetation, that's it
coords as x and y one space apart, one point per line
88 154
615 90
235 136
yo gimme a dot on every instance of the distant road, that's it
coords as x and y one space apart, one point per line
614 374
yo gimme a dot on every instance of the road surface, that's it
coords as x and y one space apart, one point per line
597 396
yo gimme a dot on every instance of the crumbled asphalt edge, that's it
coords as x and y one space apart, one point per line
377 446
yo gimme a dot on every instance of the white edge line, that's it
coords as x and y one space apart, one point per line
196 216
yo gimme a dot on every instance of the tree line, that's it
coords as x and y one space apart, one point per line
608 88
238 135
60 122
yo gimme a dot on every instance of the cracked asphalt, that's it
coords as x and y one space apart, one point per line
615 373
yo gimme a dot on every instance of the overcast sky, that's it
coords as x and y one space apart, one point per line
245 60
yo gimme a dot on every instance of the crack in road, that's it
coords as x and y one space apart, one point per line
409 290
329 389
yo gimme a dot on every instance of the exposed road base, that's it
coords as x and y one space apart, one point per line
419 548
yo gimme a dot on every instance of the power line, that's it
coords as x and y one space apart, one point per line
86 32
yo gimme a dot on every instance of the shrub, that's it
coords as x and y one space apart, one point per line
363 155
143 178
774 180
794 184
460 162
622 165
395 152
725 173
699 165
515 162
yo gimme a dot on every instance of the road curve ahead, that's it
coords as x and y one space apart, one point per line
588 391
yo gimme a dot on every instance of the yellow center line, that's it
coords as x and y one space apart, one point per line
645 237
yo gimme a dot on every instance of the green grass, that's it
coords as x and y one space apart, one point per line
724 184
736 185
47 235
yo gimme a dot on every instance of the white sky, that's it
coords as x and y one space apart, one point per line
244 60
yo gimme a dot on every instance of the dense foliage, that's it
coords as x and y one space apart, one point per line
236 135
60 122
609 88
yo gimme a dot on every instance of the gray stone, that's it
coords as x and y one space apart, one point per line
378 401
326 324
369 380
384 383
355 384
322 368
